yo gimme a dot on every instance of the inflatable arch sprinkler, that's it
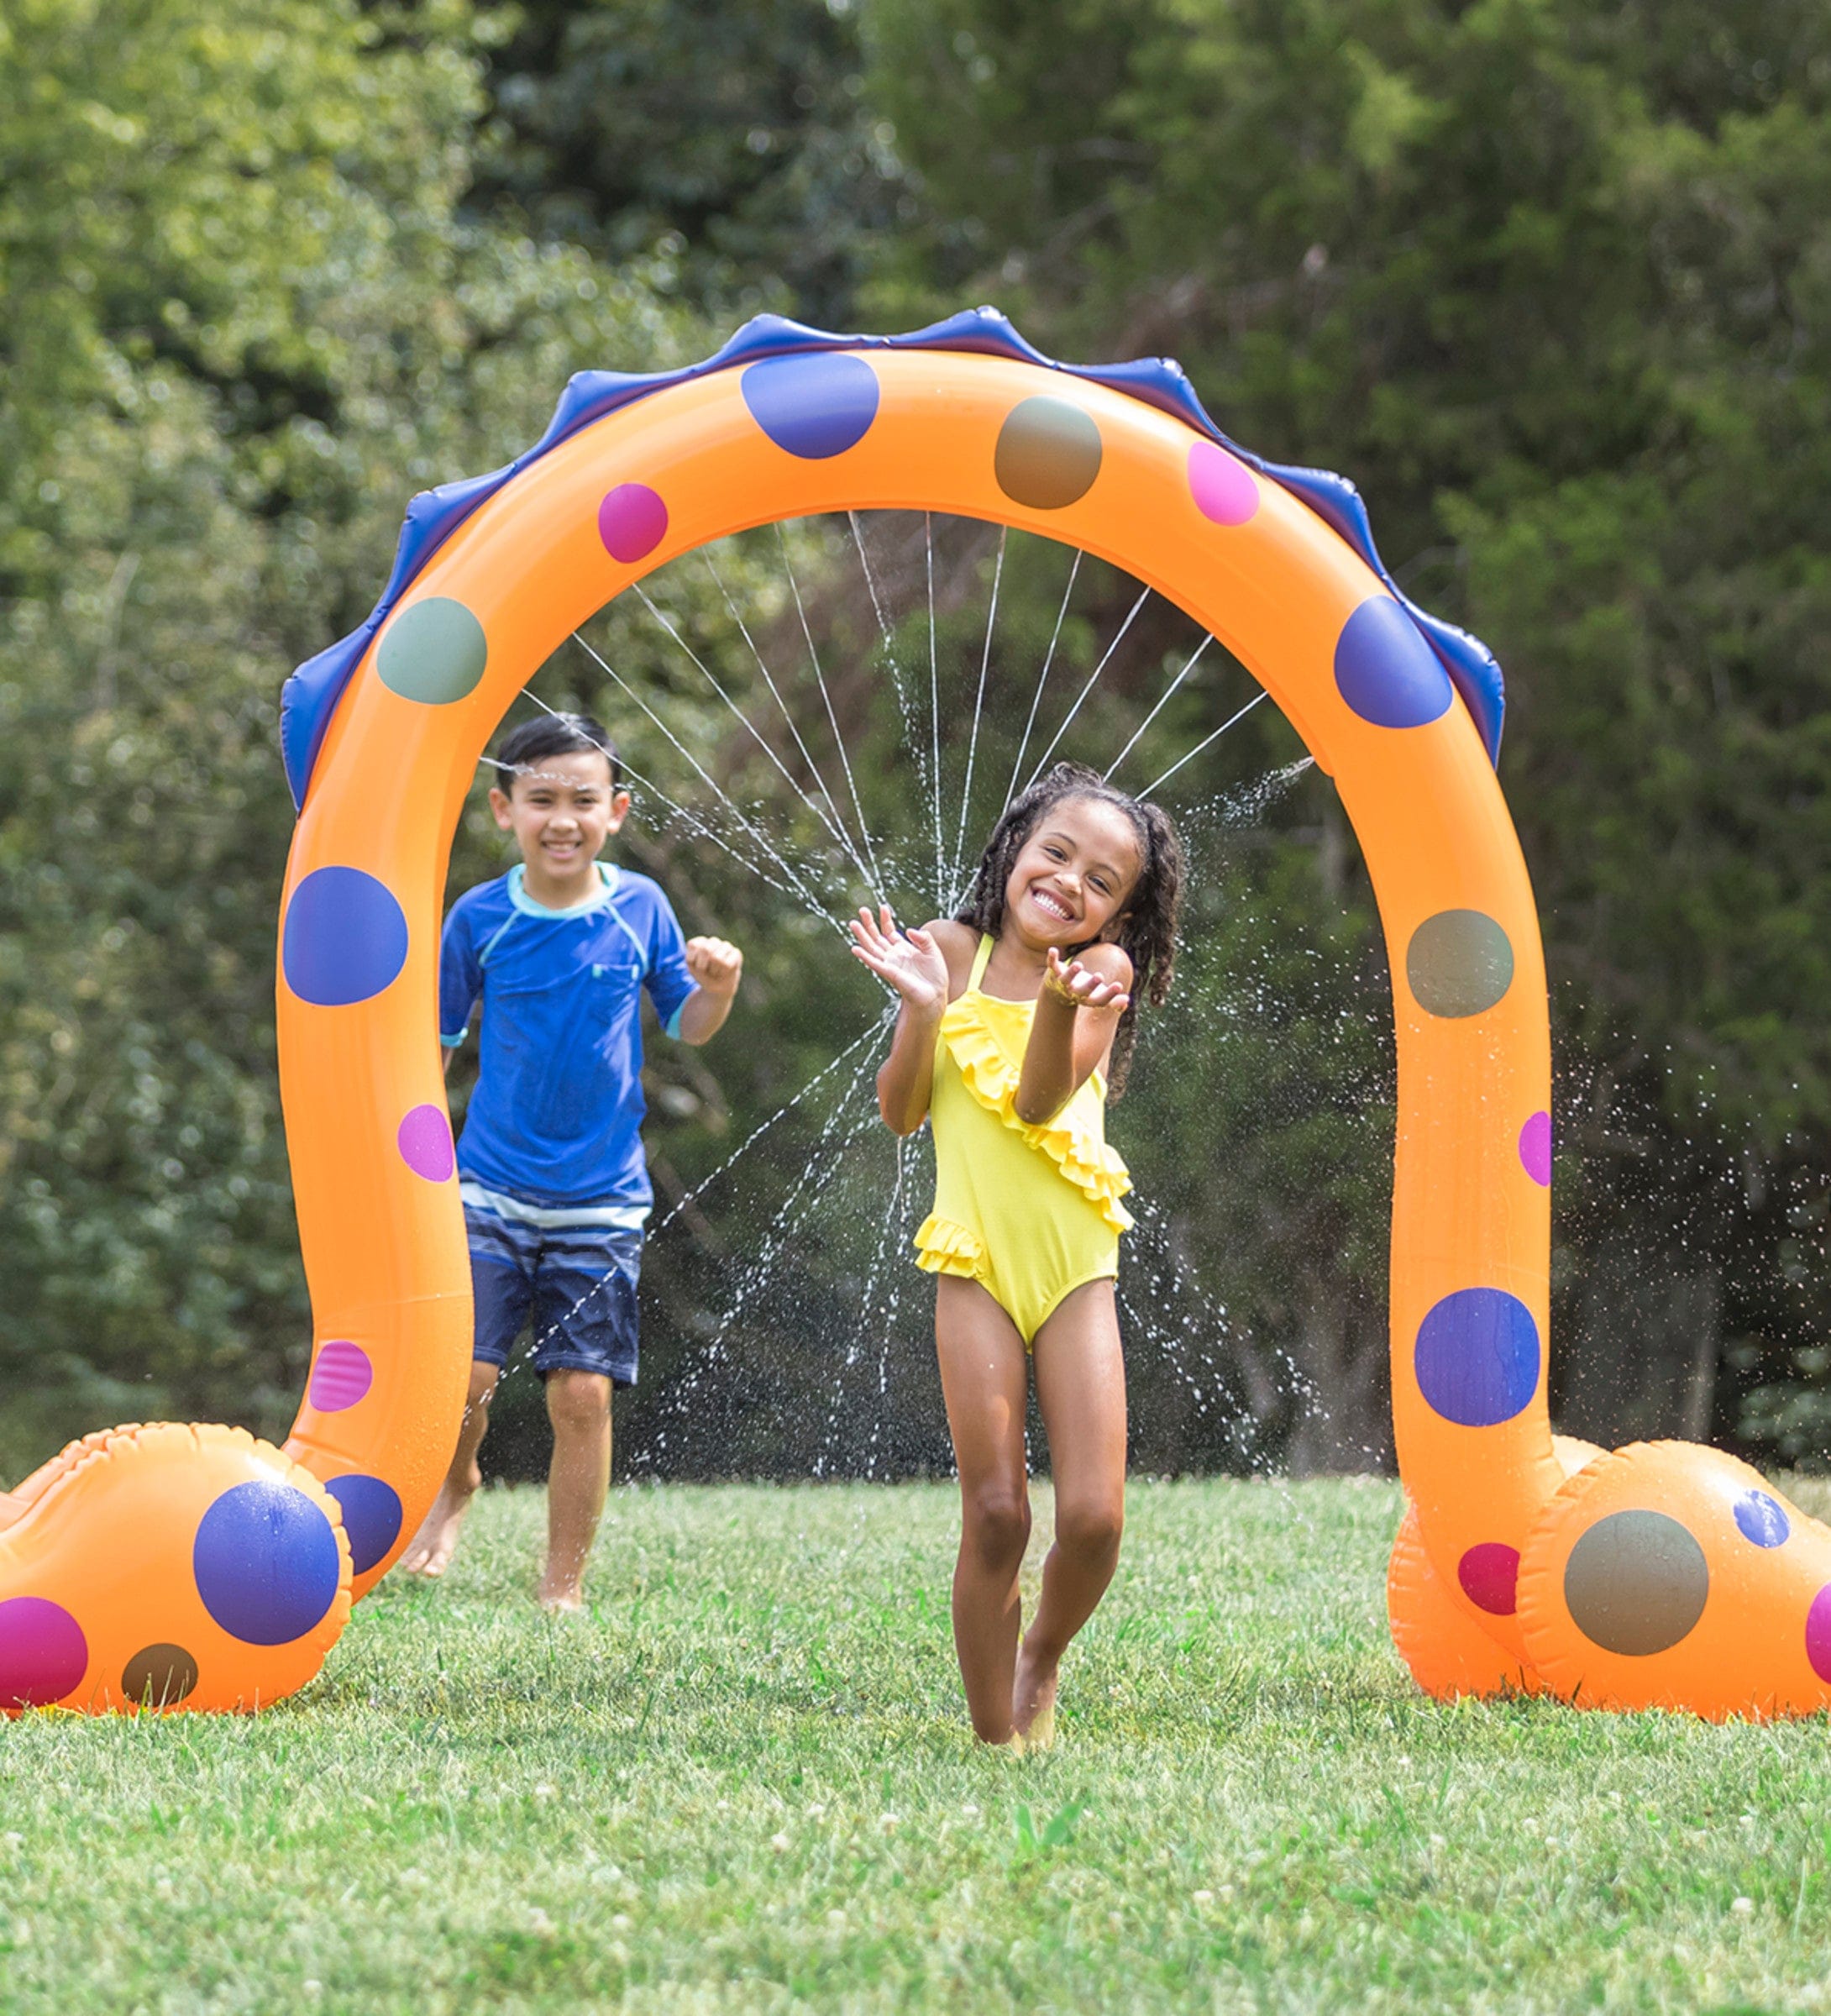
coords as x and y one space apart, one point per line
194 1567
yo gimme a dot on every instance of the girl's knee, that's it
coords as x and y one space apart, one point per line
997 1524
1090 1529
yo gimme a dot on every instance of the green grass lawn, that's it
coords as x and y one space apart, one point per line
745 1782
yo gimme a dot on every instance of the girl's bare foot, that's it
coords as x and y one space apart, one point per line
437 1540
1033 1700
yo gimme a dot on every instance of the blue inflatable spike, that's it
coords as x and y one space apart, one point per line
311 695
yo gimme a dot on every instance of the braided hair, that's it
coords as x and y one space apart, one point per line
1147 929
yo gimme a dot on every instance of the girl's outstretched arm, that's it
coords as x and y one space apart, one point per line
915 965
1077 1018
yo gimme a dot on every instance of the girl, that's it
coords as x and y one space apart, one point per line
1012 1014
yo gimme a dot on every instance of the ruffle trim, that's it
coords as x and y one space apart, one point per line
1097 1171
945 1247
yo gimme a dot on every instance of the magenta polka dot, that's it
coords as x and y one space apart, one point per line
1221 484
43 1652
425 1139
1818 1634
631 522
1535 1148
1489 1574
340 1377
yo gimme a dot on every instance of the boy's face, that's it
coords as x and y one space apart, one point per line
561 811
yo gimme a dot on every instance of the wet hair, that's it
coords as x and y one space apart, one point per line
552 735
1146 933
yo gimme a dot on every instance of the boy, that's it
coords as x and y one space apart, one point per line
550 1161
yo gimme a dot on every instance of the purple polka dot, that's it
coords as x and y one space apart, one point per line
816 406
1489 1574
1818 1635
1535 1149
266 1562
1221 484
341 1375
371 1518
345 940
631 522
1477 1357
425 1142
1385 670
43 1652
1761 1520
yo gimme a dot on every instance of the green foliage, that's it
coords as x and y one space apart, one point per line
249 320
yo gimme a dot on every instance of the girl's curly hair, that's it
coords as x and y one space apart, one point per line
1147 931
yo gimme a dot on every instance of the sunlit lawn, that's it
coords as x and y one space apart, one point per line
745 1783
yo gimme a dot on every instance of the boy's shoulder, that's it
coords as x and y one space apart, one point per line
480 901
631 889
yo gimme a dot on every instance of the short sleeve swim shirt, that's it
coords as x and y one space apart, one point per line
556 1117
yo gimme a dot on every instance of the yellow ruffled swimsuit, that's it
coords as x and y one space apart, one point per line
1030 1212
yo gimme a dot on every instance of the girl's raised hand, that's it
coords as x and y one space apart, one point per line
1068 980
911 962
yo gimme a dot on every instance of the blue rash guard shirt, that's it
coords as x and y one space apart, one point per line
554 1124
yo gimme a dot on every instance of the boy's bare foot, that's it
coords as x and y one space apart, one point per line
561 1602
1033 1700
437 1540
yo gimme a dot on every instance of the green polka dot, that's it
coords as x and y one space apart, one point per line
1459 963
1636 1584
434 652
1048 453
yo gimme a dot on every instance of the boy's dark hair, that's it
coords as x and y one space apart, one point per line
553 735
1147 934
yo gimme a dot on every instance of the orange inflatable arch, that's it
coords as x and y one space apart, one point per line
195 1566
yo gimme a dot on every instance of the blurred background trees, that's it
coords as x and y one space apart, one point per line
1550 283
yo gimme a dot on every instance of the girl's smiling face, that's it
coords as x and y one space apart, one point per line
1074 875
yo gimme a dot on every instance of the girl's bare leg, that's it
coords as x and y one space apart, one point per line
1081 1390
984 1380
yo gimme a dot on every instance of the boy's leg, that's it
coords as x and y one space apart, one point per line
586 1338
437 1539
502 1289
1081 1392
984 1382
579 1406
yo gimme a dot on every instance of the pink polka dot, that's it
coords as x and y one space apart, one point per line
340 1376
631 522
1818 1635
1535 1148
1489 1574
1221 484
425 1140
43 1652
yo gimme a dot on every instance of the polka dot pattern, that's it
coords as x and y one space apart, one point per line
424 1139
371 1518
341 1376
1477 1357
632 521
43 1652
1048 453
1489 1574
1386 672
1818 1635
1761 1521
433 652
1636 1584
815 406
1459 963
344 938
159 1676
266 1563
1225 490
1535 1149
